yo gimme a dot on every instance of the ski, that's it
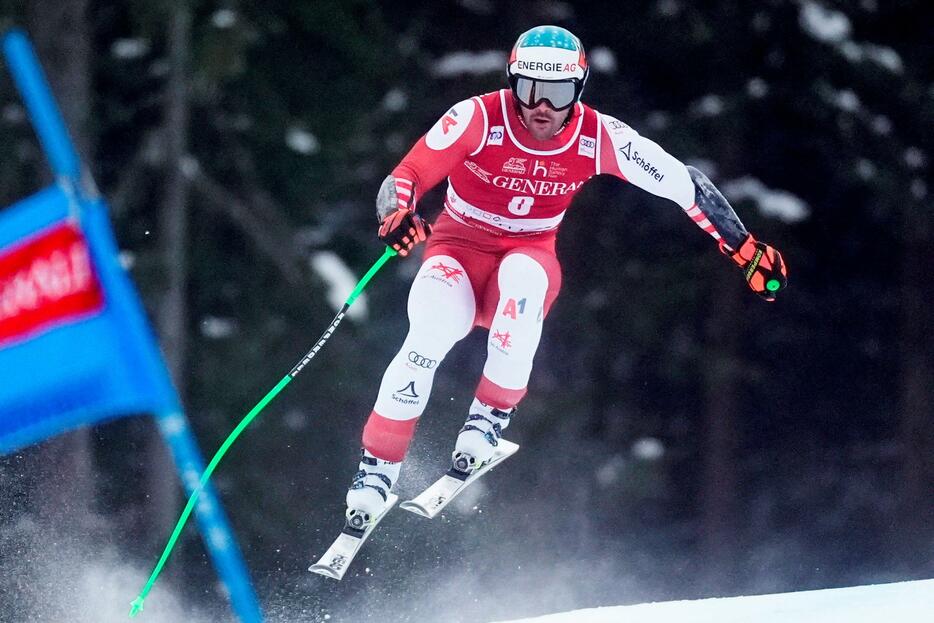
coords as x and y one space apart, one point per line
432 500
337 559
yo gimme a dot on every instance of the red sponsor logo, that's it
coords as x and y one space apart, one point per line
474 168
536 187
446 122
449 272
503 338
47 281
556 170
514 165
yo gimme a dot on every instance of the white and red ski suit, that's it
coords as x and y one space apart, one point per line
490 260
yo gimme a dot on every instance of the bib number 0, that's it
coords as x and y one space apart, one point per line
520 206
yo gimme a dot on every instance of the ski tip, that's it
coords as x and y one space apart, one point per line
325 571
508 447
414 507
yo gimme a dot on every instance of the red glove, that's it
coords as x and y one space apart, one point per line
402 230
762 265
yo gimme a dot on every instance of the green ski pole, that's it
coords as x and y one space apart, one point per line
137 605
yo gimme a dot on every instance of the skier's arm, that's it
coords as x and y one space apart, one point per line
458 133
762 264
642 162
626 154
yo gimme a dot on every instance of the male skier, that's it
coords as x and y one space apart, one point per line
513 159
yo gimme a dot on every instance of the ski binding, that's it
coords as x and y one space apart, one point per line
335 561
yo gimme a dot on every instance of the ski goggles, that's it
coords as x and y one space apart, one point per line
560 94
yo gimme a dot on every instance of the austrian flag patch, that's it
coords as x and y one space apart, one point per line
47 281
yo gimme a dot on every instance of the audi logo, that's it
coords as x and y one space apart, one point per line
421 362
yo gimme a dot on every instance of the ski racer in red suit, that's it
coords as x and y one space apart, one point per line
513 159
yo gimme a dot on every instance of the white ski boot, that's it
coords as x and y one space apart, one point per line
479 437
368 496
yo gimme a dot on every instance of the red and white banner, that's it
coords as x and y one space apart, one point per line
46 281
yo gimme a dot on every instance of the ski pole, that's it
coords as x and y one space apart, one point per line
137 604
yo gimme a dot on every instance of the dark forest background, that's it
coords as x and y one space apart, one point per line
681 437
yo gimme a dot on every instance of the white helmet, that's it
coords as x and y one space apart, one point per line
547 63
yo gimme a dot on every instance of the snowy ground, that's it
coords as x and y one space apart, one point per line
46 576
53 579
892 603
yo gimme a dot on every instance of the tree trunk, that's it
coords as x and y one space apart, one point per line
718 469
61 35
173 310
174 215
917 393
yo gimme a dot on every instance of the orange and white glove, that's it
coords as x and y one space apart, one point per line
762 266
402 230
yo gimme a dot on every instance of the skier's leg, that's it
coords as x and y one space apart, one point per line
526 284
441 311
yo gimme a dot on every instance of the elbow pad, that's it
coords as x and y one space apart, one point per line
717 209
394 194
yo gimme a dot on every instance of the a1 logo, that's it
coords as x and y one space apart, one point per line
512 306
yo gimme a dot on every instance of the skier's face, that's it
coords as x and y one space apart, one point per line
543 121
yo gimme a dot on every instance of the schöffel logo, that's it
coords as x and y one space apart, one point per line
634 156
420 361
47 281
407 395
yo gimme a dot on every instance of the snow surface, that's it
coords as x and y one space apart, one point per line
881 55
57 578
127 49
302 141
772 203
903 602
395 100
833 28
82 579
824 24
709 105
602 59
340 281
223 19
217 328
459 64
